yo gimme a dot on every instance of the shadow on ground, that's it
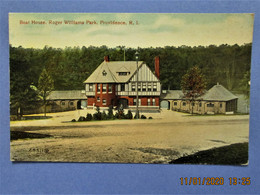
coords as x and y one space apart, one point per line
234 154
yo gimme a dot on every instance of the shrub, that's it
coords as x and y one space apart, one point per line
143 117
150 117
129 115
73 120
137 115
103 116
110 112
120 113
89 117
97 115
81 118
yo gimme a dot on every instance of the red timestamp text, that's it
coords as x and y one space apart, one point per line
202 181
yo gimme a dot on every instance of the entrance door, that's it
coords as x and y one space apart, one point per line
165 104
123 103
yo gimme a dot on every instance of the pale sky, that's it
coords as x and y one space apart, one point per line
153 30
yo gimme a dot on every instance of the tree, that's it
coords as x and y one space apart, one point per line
193 84
245 85
45 86
22 97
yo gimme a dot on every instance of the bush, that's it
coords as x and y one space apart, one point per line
120 113
97 115
81 118
143 117
150 117
103 116
73 120
110 113
137 115
129 115
89 117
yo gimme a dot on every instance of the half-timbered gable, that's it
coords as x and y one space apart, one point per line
115 82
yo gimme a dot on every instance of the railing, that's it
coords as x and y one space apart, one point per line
90 93
140 93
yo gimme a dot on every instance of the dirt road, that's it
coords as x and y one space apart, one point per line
168 136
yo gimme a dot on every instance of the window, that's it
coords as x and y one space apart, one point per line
71 103
175 103
220 105
139 100
184 103
144 87
192 104
200 104
133 87
110 88
98 99
149 102
210 105
98 88
63 103
139 86
122 87
104 88
104 101
122 73
104 73
90 87
153 102
149 86
154 87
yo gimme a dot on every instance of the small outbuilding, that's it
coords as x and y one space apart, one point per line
66 100
217 100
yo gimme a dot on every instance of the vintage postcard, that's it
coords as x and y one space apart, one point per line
130 87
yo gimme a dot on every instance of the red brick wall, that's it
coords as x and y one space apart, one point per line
108 96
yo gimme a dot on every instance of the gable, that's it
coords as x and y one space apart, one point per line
112 70
144 75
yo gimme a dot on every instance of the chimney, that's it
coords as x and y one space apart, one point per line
106 58
157 66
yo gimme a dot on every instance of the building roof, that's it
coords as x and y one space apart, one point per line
108 72
218 93
173 95
67 95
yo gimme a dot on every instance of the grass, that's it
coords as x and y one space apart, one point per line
24 135
234 154
14 118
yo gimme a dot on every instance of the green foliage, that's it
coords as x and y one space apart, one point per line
135 117
110 113
97 115
71 66
143 117
89 117
245 84
73 120
150 117
104 116
45 86
81 118
193 83
120 113
129 115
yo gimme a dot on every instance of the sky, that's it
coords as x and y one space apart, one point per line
146 30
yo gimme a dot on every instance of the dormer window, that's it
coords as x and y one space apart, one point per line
104 73
123 73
